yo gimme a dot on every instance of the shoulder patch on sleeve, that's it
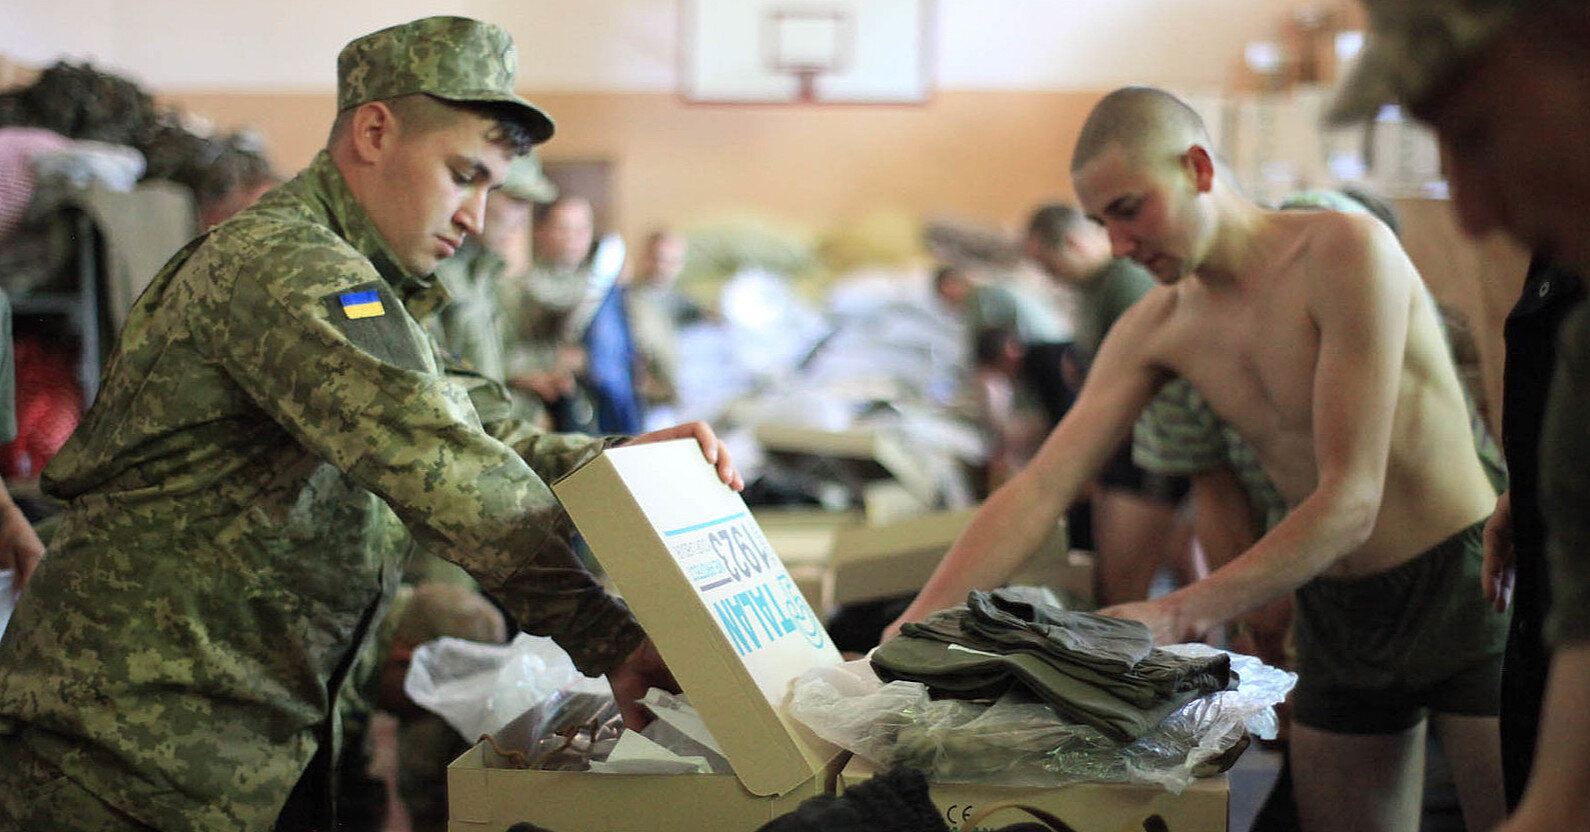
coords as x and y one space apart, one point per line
373 320
365 304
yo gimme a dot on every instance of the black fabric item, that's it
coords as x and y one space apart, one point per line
1042 373
1548 295
857 627
894 801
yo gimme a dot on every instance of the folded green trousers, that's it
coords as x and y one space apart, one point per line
1091 669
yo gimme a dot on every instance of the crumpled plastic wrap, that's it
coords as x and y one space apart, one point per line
1020 742
478 688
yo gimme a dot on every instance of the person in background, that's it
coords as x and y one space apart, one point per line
238 176
1136 524
20 547
657 311
1012 418
1044 334
547 310
1505 85
614 362
426 743
1515 541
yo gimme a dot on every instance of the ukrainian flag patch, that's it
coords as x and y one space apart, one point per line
366 304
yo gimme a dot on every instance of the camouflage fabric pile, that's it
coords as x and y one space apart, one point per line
81 102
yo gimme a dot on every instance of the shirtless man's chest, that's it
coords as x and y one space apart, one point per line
1252 355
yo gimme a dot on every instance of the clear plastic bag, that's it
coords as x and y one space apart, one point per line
1020 742
478 688
565 730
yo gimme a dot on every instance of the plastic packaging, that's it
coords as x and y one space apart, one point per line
1020 742
479 688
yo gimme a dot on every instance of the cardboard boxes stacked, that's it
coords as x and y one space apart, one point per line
724 613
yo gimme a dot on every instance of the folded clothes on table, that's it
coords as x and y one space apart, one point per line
1092 669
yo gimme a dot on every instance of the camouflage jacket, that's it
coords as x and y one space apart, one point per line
226 547
470 324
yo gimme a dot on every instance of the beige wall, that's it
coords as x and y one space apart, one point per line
984 157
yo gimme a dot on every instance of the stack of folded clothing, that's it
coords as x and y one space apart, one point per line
1092 669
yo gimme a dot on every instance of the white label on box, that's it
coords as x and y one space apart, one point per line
743 583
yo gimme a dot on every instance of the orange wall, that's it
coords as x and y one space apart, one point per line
982 157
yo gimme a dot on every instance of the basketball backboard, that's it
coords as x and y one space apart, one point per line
806 51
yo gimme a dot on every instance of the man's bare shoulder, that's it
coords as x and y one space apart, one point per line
1347 248
1149 323
1155 307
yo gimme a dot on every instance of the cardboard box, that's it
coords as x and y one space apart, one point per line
803 536
726 616
854 457
1203 806
870 562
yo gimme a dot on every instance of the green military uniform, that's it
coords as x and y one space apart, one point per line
539 305
655 315
1011 308
271 405
1565 484
470 325
1104 297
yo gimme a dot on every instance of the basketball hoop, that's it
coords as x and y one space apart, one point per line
806 52
807 43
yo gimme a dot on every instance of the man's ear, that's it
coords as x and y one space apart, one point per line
373 132
1200 166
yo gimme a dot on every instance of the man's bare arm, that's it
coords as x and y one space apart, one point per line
1359 298
1223 518
1018 517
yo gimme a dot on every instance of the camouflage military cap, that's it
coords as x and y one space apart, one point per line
452 58
528 182
1414 47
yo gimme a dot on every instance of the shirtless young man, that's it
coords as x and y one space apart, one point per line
1308 333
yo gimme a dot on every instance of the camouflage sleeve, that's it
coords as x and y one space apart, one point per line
369 400
550 455
1178 433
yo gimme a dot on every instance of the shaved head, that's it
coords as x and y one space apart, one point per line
1145 122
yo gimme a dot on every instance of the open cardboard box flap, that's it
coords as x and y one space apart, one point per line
705 584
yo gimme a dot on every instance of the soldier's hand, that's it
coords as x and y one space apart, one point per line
20 547
1497 572
1160 618
548 387
642 670
711 447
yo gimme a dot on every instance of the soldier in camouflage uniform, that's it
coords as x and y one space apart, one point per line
273 403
